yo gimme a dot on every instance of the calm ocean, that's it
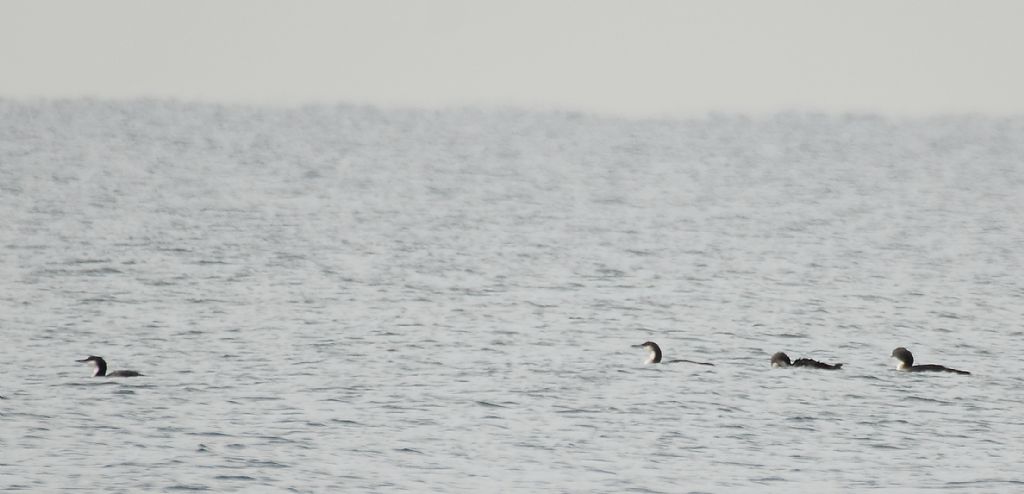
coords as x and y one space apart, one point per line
352 299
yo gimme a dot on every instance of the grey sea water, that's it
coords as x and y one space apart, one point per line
349 299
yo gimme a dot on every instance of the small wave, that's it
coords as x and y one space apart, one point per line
345 422
986 482
803 418
928 400
27 246
99 300
600 470
98 271
209 434
871 298
540 305
207 301
86 261
261 398
172 249
265 464
489 404
95 382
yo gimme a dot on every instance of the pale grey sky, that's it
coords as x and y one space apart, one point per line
652 57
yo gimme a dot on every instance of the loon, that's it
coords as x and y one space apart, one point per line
100 368
906 363
654 355
780 359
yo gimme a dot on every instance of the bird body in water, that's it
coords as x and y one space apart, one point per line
780 359
654 355
100 368
906 363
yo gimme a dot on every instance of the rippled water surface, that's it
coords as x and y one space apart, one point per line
346 299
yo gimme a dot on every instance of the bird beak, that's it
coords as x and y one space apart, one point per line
83 360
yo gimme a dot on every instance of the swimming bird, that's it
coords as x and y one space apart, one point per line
100 368
654 355
780 359
906 363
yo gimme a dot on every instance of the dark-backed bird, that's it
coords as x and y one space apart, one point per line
780 359
906 363
100 368
654 355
